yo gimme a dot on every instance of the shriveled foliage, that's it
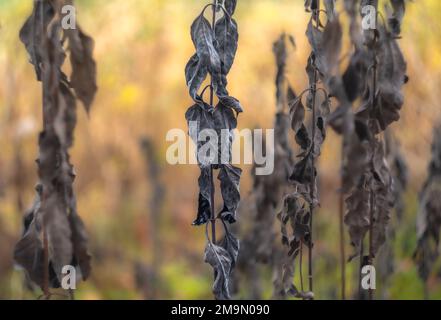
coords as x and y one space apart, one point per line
298 206
216 46
429 215
54 234
260 243
376 73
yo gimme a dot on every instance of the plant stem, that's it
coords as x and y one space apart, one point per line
301 266
45 264
371 237
312 186
213 217
372 193
342 237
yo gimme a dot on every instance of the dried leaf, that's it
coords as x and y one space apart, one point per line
302 138
83 78
220 260
229 177
399 9
429 215
204 201
297 114
230 6
227 38
231 244
208 57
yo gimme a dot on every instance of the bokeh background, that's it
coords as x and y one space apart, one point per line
141 49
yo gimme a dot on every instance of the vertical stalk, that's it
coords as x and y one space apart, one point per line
372 193
342 235
312 186
45 288
213 217
371 238
301 266
45 115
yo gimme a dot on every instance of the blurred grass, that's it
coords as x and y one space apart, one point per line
142 47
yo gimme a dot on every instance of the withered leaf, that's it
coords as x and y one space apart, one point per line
302 138
229 177
83 78
224 123
297 114
303 171
220 260
358 211
429 213
227 38
81 255
204 42
195 73
399 9
31 33
58 232
204 201
230 6
231 244
231 102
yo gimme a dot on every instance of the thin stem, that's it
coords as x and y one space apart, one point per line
371 237
45 112
45 264
312 186
213 217
301 266
342 237
372 193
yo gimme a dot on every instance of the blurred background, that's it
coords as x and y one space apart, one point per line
143 247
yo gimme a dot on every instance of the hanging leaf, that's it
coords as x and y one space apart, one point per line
227 38
81 256
297 114
230 6
320 135
204 201
229 177
302 138
395 21
280 54
231 244
224 122
208 57
220 260
232 103
303 172
195 74
83 78
429 214
31 33
353 79
358 212
200 118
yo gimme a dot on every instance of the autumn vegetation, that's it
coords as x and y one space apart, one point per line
84 180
